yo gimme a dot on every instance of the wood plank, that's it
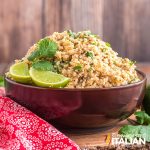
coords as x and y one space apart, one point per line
126 26
96 138
136 29
87 15
145 67
2 68
51 16
20 27
76 15
113 25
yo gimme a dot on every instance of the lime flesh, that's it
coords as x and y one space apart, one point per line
48 78
20 72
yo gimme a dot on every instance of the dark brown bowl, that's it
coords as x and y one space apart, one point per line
80 108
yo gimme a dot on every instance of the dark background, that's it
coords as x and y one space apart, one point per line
123 23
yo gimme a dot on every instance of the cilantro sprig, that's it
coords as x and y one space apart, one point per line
43 65
142 118
89 54
46 48
142 129
130 131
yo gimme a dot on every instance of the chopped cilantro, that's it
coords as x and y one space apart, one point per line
104 49
94 43
96 36
78 68
89 54
43 65
45 48
132 62
108 44
70 33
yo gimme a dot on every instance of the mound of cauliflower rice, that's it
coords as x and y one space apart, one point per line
89 62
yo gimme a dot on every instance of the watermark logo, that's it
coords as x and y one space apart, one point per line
117 139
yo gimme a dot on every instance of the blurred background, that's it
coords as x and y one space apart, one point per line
123 23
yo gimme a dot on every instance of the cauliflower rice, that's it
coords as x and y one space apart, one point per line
89 62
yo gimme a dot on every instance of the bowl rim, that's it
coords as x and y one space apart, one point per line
142 74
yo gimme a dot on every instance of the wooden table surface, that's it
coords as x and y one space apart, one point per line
90 140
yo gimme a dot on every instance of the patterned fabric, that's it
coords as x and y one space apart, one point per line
20 129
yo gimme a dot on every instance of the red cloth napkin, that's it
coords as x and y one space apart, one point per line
20 129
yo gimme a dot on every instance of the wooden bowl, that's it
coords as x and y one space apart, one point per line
80 108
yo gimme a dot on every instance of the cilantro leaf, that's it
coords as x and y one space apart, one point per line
108 44
130 131
45 48
1 81
142 117
89 54
145 132
142 130
43 65
78 68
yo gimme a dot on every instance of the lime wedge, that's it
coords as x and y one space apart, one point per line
20 72
48 78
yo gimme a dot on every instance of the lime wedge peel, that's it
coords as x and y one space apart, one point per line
48 78
20 72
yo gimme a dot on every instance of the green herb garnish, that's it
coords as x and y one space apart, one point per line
142 118
70 33
78 68
89 54
96 36
43 65
1 81
104 49
45 49
132 62
108 44
94 43
141 130
130 131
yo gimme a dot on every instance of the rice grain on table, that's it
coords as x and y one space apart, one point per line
89 62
